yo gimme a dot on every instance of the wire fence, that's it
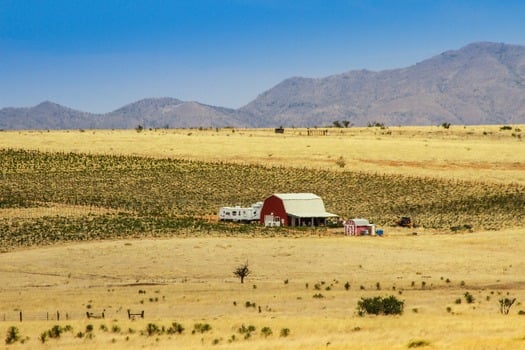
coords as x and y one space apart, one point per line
60 315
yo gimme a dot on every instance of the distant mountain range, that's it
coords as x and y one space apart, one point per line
481 83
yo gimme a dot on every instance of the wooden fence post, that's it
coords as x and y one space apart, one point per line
20 316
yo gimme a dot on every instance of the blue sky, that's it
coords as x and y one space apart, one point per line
98 55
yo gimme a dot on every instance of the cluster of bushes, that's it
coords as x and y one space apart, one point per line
380 306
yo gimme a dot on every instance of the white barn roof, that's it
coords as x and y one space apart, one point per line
304 205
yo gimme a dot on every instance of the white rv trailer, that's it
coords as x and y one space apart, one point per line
238 213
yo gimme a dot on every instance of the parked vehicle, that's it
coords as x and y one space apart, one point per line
241 214
405 221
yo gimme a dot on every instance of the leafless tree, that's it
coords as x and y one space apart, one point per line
242 271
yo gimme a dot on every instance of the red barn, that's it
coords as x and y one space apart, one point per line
294 209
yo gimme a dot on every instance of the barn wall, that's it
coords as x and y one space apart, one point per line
274 205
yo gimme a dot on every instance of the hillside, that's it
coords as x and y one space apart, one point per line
151 113
481 83
46 115
169 112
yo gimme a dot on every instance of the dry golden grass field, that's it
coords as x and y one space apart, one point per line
305 285
492 153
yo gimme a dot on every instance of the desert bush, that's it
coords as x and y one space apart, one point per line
152 329
505 304
54 332
340 162
266 331
247 331
175 328
469 298
201 328
417 343
13 335
284 332
380 306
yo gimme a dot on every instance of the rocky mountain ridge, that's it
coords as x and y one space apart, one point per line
481 83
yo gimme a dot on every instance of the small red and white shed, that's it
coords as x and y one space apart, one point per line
359 227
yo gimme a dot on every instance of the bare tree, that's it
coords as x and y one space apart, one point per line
242 271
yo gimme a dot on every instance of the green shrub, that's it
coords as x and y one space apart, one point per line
284 332
13 335
340 162
266 331
54 332
247 331
380 306
201 328
152 329
469 298
176 328
392 306
418 343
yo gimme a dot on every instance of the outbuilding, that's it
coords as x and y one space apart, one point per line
359 227
294 209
